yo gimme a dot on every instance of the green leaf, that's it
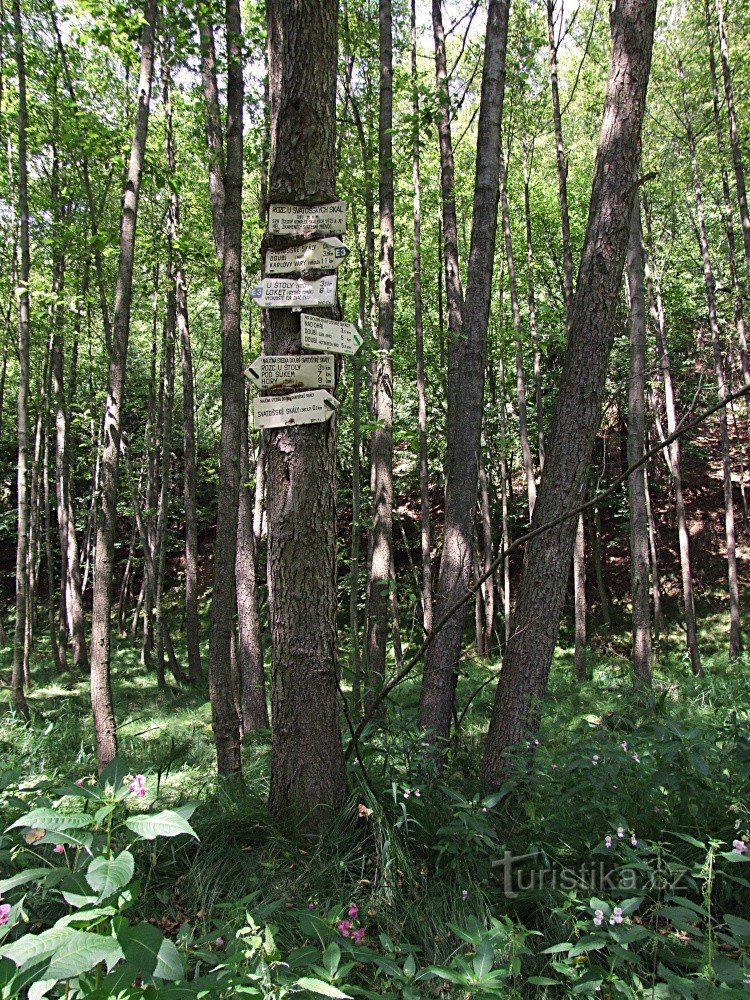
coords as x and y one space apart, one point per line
331 958
32 948
555 949
148 951
82 951
483 959
48 819
323 989
587 944
107 875
85 916
164 824
22 878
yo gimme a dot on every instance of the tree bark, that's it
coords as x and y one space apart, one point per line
713 322
308 778
224 715
562 164
466 366
101 688
639 544
22 410
424 469
580 668
541 593
381 443
531 298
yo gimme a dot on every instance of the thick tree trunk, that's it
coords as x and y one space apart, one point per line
466 365
225 718
579 599
308 778
424 469
658 318
639 554
22 410
713 322
541 593
381 446
101 688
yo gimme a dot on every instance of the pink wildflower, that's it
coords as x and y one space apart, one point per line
59 849
344 928
358 935
616 917
620 832
739 846
608 841
595 759
633 841
4 913
598 917
138 786
220 941
311 906
636 758
417 793
354 911
464 894
624 745
407 793
79 782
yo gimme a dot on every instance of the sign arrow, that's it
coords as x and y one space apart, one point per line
314 407
324 254
292 371
296 220
333 335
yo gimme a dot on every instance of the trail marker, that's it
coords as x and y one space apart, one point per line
333 335
280 293
287 411
327 253
296 220
292 371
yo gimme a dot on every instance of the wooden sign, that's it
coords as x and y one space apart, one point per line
334 335
281 293
325 254
292 371
287 411
296 220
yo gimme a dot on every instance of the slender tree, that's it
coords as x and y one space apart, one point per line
541 592
101 689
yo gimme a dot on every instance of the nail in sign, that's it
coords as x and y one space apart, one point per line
292 371
280 293
330 335
296 220
327 253
288 411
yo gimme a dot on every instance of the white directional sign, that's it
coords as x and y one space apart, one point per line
285 411
330 335
296 220
292 371
327 253
279 293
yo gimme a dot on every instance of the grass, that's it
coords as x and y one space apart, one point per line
416 865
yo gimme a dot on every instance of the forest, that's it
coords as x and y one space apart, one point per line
374 499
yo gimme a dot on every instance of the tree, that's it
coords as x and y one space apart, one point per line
541 592
307 760
101 689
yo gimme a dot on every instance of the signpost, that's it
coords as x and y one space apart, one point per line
283 293
292 371
326 254
330 335
296 220
288 411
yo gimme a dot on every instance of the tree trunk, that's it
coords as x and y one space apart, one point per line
24 346
101 688
466 365
249 646
579 597
424 469
381 445
713 322
734 135
639 555
531 298
224 715
515 306
658 317
541 594
308 778
562 164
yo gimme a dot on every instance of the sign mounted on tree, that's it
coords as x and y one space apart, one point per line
287 411
330 335
326 253
280 293
296 220
292 371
